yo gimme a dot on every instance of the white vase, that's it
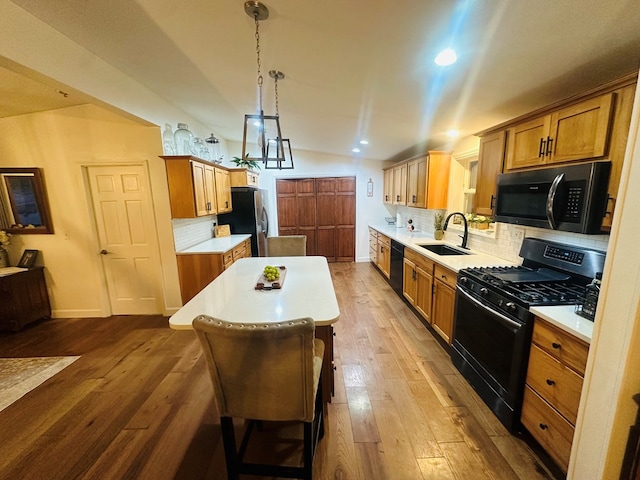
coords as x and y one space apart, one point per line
4 257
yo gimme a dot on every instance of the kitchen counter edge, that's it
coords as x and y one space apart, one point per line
455 263
215 245
565 318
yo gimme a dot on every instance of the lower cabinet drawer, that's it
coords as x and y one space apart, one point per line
557 384
238 252
548 427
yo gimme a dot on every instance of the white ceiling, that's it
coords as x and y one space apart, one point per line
354 69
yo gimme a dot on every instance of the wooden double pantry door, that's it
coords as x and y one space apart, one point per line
323 209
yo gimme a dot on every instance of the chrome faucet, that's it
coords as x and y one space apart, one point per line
466 227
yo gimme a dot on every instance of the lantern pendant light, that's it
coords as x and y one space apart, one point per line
279 154
257 125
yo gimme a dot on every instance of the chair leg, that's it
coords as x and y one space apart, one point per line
230 452
308 450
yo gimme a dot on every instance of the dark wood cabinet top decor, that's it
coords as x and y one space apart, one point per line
23 299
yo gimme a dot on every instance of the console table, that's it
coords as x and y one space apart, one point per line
23 299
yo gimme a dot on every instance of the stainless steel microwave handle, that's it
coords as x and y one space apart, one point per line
551 201
505 320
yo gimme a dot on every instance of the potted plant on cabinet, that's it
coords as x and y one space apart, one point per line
246 162
438 226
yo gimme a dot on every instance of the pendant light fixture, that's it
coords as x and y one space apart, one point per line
279 154
258 126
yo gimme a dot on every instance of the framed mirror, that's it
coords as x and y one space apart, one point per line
24 207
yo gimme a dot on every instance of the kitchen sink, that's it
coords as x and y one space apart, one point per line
440 249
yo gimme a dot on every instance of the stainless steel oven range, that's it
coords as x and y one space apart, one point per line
493 324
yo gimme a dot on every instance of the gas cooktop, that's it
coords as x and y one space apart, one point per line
529 286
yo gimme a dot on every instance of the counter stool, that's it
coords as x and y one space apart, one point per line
287 246
264 372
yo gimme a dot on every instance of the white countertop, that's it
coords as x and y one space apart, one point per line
215 245
565 318
307 291
562 316
452 262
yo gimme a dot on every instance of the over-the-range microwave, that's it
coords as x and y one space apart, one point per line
571 198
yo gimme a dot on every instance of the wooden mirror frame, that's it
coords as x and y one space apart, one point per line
40 197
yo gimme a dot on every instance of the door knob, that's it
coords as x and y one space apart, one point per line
104 252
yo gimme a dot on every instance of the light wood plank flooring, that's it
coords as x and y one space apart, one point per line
138 403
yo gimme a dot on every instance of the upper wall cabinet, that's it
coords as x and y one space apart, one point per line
577 132
490 159
243 177
422 182
593 125
196 187
400 184
388 186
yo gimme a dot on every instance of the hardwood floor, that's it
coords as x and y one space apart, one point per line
138 403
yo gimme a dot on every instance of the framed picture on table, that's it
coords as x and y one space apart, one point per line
28 259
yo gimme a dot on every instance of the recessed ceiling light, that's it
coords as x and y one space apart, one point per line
355 150
453 133
446 57
364 142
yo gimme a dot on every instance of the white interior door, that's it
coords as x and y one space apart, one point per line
126 231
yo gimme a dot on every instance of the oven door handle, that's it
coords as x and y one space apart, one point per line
551 201
504 320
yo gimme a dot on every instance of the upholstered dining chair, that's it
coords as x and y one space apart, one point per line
287 246
264 372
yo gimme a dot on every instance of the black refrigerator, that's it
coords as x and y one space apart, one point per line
249 215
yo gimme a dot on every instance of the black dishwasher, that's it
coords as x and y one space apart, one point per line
397 261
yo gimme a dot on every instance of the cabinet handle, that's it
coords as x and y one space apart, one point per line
397 198
556 345
414 199
549 149
550 382
541 149
413 275
543 426
208 206
491 206
226 204
386 197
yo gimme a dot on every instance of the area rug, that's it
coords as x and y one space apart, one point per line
18 376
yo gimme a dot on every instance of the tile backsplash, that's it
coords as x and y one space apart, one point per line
508 238
188 232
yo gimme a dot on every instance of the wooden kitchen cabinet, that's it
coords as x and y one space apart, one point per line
490 159
223 190
23 299
444 293
243 177
417 182
592 125
387 189
422 182
428 181
417 285
576 132
373 246
384 255
197 270
196 187
555 373
400 184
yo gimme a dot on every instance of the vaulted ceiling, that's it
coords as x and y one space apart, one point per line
354 69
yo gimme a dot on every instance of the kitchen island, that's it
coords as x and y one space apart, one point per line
307 291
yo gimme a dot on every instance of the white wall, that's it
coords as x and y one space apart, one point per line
61 142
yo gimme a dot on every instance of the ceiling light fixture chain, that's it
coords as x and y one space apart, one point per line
259 76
